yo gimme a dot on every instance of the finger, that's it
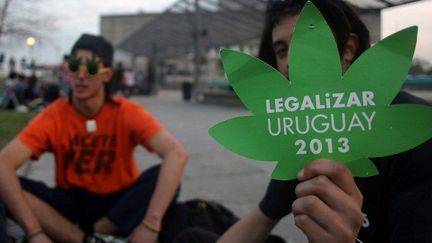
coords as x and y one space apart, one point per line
333 196
316 209
337 172
323 216
325 189
310 228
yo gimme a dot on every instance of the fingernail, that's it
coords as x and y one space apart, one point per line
300 174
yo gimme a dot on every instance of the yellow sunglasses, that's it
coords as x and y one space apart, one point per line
91 66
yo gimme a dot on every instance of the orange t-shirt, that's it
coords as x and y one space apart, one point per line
101 161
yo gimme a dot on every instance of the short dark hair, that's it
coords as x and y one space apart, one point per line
96 44
339 15
101 48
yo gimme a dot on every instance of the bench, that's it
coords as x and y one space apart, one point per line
218 92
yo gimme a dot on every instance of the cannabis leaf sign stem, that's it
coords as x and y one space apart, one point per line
319 113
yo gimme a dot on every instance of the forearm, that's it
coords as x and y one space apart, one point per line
168 181
11 194
254 228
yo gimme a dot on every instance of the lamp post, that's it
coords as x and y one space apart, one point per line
31 41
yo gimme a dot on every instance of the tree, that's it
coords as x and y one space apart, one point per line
20 19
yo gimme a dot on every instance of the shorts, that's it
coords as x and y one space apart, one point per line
125 208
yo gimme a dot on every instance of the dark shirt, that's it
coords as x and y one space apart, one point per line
397 203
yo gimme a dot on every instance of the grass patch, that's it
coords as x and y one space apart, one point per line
11 123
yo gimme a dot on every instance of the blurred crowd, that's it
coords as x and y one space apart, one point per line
29 87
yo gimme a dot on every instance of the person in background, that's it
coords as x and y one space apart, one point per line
8 98
63 76
118 79
129 75
20 88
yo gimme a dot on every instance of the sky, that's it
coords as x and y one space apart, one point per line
73 17
420 14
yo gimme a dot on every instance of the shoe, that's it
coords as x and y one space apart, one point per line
110 238
93 239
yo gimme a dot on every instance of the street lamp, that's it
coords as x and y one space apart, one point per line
31 41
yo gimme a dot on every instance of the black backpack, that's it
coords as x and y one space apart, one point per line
198 213
208 215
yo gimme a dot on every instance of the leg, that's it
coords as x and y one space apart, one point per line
105 226
55 210
130 209
53 223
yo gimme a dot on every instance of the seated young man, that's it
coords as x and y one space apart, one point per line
92 136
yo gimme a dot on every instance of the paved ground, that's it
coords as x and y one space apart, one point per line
213 172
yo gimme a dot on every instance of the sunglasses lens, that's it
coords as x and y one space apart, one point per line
92 68
73 65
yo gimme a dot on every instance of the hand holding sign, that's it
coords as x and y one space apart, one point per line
319 113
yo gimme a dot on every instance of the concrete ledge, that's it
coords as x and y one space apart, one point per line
219 96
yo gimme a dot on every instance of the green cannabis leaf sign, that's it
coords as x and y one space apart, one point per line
319 113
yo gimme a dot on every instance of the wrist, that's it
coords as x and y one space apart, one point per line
31 226
34 234
153 219
31 229
151 227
